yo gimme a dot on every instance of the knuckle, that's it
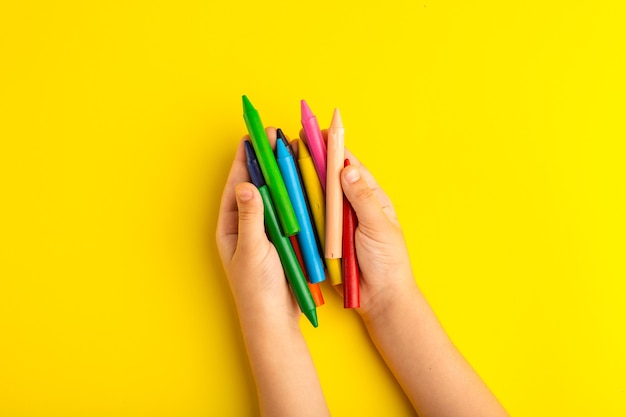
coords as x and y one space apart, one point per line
247 214
364 193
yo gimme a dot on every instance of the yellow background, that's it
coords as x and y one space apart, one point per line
496 127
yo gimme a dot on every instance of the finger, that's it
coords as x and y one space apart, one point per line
227 219
226 233
380 194
382 197
371 181
251 229
365 203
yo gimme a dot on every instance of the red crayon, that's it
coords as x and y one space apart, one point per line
315 289
351 279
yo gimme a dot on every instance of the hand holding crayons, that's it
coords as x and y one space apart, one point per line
251 262
395 313
307 214
285 197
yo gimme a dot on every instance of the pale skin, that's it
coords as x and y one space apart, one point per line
434 375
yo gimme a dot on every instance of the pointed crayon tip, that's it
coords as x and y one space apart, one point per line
303 152
250 155
281 149
336 121
280 134
253 166
305 111
312 316
247 106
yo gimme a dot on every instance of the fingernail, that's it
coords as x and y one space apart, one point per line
352 175
244 194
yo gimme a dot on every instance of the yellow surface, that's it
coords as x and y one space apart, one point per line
497 128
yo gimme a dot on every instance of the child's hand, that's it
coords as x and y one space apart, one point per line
433 373
251 262
381 250
283 370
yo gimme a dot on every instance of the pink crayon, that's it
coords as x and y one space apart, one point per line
314 141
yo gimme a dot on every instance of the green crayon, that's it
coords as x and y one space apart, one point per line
289 260
269 168
287 256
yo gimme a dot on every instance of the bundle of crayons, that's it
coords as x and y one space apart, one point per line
292 194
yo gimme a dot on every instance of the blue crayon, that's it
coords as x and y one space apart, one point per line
306 237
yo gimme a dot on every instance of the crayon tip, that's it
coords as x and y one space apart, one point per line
247 106
336 121
305 111
280 134
281 149
312 316
250 155
253 165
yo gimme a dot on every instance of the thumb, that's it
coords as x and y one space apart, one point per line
366 206
250 207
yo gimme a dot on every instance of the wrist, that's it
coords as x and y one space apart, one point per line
268 319
391 305
263 334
